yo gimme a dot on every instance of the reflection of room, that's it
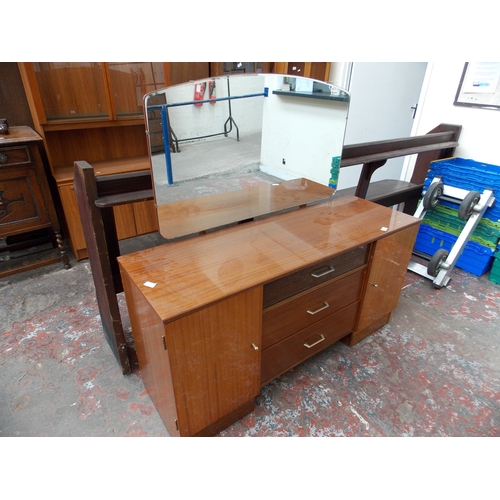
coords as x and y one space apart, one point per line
277 128
227 157
238 146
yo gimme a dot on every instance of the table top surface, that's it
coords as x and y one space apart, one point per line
182 276
19 134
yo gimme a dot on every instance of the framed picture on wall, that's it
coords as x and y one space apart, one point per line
479 86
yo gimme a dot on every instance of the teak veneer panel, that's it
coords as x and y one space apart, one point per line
387 272
193 273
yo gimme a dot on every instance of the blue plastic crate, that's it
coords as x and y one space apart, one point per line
471 175
475 259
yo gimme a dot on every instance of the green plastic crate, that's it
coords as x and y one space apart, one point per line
494 275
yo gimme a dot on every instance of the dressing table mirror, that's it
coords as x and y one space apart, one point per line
232 148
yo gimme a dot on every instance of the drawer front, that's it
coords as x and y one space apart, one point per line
298 313
290 352
321 272
14 156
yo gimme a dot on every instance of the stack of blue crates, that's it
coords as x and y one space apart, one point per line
472 176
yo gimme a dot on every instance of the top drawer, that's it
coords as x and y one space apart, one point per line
19 155
304 279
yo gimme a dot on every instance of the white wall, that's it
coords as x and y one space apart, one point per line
480 127
301 136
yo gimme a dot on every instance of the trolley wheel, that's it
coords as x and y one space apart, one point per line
468 204
436 261
431 197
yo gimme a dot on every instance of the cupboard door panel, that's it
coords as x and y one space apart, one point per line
125 222
72 90
388 268
154 363
22 205
145 217
215 367
72 214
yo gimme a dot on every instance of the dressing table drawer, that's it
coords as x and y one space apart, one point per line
282 320
292 351
314 275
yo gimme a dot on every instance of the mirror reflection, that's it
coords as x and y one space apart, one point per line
236 132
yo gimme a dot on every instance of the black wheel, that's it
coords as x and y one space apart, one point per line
468 204
436 261
431 197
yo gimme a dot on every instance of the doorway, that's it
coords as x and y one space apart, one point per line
383 101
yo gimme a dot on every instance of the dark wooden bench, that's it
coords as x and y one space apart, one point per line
439 143
96 197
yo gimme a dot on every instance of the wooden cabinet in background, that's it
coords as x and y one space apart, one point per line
93 111
26 201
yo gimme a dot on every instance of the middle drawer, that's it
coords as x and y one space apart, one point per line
290 316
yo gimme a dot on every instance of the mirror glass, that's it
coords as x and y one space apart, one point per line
237 132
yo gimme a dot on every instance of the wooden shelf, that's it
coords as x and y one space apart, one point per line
312 95
56 125
64 175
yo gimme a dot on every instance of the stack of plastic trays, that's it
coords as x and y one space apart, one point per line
441 226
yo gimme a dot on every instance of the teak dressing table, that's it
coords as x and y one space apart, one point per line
218 316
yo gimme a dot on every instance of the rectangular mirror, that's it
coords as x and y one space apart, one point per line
235 147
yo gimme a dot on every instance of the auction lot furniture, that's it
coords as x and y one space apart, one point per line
217 316
26 203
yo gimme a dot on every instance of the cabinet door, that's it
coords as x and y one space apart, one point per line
22 206
130 81
214 362
74 90
70 207
389 262
145 217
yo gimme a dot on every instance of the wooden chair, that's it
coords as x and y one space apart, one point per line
96 197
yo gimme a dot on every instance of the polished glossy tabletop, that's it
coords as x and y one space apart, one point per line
182 276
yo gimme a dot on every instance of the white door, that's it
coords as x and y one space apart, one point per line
383 96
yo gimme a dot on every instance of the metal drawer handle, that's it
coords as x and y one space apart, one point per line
316 343
3 158
319 275
320 309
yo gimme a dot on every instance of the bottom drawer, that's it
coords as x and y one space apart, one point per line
297 348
